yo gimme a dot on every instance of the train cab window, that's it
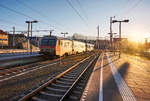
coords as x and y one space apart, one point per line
44 42
52 42
49 42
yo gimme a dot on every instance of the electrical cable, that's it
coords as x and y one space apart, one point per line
10 22
20 13
41 14
75 10
82 9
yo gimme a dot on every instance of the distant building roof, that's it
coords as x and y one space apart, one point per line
2 32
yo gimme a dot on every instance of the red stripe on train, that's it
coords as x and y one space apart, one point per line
47 46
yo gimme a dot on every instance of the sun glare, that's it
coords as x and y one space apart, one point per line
137 37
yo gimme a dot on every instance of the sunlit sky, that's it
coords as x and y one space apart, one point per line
60 16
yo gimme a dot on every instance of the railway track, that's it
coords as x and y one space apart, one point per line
66 86
6 74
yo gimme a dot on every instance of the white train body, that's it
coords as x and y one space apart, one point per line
62 46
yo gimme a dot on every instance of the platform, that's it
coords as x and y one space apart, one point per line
106 83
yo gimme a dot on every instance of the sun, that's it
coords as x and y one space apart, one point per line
137 37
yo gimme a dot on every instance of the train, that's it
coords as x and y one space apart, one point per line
58 46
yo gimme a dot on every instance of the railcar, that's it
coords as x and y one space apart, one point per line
89 47
57 46
79 47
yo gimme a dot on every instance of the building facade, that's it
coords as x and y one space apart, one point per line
3 38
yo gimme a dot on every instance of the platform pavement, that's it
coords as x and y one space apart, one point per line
106 84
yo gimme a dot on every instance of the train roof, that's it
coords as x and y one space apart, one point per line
62 38
56 37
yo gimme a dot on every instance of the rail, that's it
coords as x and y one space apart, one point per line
32 94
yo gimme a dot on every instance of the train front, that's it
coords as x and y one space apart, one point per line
48 46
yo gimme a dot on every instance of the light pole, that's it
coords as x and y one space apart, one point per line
28 41
30 45
120 21
35 21
98 37
111 34
13 37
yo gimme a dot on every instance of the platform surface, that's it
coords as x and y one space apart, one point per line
108 81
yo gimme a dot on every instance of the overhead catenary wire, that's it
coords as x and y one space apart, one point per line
43 30
82 9
76 11
17 12
10 22
20 13
27 6
123 9
134 6
25 32
129 9
41 14
5 26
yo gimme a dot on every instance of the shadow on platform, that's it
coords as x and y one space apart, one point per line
105 58
111 92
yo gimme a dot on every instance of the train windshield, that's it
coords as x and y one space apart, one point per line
48 42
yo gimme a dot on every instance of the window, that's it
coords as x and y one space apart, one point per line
52 42
48 42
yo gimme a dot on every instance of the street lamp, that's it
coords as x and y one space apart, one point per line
111 36
28 43
30 22
35 21
120 21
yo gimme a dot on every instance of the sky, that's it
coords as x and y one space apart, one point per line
77 16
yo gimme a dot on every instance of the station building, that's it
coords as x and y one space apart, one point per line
3 38
17 41
102 44
11 41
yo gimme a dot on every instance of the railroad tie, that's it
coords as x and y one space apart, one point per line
55 89
48 94
63 82
60 85
38 99
67 79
